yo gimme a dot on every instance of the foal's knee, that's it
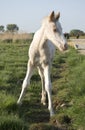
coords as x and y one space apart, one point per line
25 83
48 87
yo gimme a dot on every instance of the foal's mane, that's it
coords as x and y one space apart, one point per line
46 18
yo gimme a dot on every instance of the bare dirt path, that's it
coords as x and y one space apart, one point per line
79 45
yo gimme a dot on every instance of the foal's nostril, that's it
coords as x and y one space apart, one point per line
65 47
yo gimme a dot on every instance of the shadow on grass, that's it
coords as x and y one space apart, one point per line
30 112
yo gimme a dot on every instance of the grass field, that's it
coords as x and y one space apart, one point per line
68 92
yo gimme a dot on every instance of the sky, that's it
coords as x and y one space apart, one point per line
28 14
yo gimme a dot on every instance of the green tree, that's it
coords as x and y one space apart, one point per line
1 28
76 32
12 28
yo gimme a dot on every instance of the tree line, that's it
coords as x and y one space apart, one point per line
74 33
14 28
9 28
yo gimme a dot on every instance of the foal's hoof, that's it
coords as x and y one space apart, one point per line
43 102
19 103
52 114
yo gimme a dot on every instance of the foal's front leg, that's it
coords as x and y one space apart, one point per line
48 88
26 81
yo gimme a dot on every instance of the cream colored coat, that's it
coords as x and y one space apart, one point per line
41 53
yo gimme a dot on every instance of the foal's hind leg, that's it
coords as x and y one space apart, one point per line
48 88
26 81
43 99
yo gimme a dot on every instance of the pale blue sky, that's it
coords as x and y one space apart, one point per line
27 14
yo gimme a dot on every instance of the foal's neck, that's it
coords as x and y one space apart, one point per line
42 37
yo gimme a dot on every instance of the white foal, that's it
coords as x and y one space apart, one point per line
41 53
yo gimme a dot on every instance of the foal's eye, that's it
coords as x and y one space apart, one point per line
55 30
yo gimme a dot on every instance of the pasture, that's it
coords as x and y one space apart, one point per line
68 92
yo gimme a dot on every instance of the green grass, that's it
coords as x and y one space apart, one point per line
68 92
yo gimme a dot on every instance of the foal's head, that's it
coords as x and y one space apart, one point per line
53 31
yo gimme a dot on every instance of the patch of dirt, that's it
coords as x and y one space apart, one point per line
82 52
78 44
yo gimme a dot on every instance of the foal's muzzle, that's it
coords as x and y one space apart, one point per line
65 46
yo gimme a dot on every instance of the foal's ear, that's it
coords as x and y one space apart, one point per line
57 16
52 16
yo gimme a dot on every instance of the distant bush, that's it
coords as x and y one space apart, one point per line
1 28
66 35
7 40
12 28
76 32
